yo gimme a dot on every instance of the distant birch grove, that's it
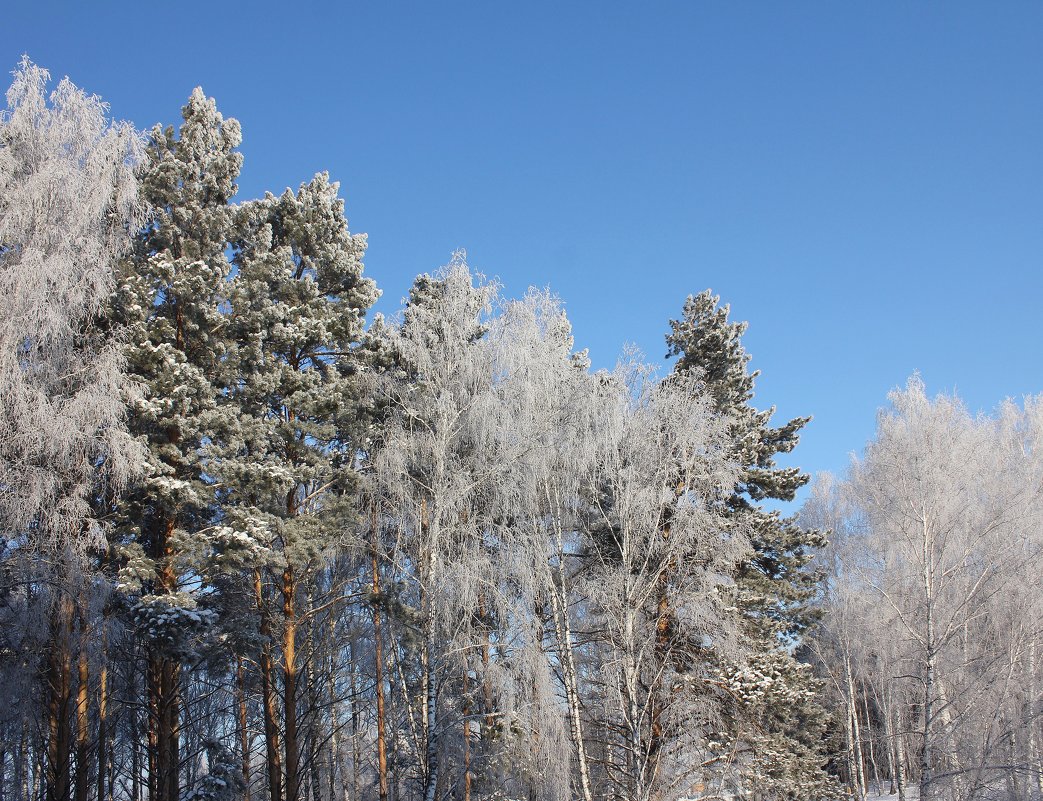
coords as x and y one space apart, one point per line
257 542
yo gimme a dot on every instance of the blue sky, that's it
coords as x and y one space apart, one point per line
863 182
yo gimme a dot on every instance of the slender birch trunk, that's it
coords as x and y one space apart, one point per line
429 525
466 711
869 739
563 632
930 657
336 763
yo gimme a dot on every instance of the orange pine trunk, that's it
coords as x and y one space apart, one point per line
290 685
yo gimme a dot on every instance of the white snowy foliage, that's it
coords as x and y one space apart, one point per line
932 604
68 206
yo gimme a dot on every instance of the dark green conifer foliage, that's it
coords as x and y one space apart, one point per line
170 297
772 721
297 314
776 582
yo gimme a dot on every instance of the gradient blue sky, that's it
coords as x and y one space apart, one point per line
863 182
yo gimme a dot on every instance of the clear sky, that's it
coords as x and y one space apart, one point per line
863 182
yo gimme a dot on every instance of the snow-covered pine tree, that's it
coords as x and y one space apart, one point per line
776 582
68 205
297 317
171 296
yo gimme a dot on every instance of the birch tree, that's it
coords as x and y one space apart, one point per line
943 515
651 437
68 205
437 428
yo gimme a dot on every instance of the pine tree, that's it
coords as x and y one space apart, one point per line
297 317
172 295
775 583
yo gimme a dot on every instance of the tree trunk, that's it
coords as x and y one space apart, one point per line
271 721
356 725
869 740
336 765
59 691
563 631
856 733
289 649
103 711
82 707
21 760
135 743
152 734
927 752
926 755
430 653
378 664
314 718
244 732
466 711
431 701
164 680
172 728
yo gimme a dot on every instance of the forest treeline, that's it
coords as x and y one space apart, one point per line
252 547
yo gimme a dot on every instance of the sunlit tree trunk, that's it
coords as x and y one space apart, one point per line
858 778
289 647
930 659
562 628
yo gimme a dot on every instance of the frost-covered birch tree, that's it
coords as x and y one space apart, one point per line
651 437
68 207
940 537
434 463
553 409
